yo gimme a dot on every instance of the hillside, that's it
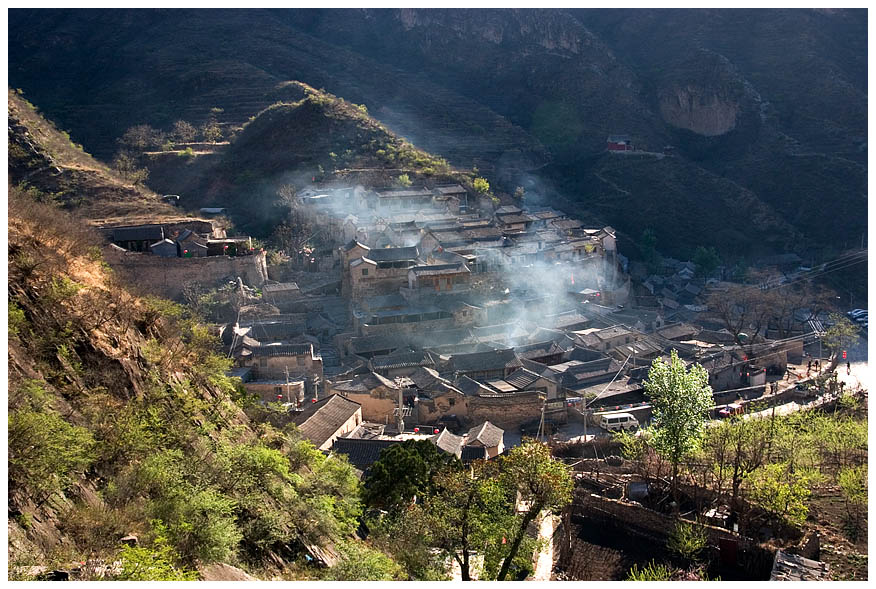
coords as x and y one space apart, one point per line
122 423
772 101
159 66
318 137
45 160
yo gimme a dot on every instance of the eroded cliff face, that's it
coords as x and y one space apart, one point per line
699 110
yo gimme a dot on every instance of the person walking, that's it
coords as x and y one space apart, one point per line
848 368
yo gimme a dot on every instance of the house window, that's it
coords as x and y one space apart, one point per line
364 271
263 362
278 390
452 402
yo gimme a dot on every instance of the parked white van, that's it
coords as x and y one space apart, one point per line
618 421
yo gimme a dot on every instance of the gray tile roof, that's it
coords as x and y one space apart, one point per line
393 254
152 233
321 420
486 434
361 453
283 350
477 361
439 269
450 443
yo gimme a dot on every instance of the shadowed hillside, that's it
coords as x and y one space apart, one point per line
772 101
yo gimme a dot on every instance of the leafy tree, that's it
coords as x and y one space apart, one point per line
541 483
403 180
839 336
481 186
404 535
853 486
404 471
211 131
361 563
707 260
783 491
687 540
680 401
126 166
469 510
735 449
519 193
183 132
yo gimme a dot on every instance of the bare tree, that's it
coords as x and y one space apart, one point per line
183 132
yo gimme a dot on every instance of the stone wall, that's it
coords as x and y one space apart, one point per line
506 412
166 276
655 527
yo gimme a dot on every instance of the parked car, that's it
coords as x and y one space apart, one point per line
731 409
618 421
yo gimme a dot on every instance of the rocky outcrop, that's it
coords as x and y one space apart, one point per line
699 110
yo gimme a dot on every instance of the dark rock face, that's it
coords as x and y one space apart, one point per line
770 102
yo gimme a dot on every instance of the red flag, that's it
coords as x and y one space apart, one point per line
572 275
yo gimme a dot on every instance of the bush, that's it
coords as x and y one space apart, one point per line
361 563
156 563
687 540
653 571
45 451
17 319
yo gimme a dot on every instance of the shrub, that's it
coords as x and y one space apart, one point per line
45 451
403 180
653 571
361 563
687 540
156 563
17 319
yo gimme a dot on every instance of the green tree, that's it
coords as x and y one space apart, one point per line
404 471
783 491
469 510
519 194
707 260
680 400
403 533
403 180
481 186
540 482
839 336
853 486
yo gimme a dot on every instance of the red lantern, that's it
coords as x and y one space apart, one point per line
279 397
436 430
416 430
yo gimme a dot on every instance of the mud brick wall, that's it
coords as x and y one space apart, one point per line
166 276
506 412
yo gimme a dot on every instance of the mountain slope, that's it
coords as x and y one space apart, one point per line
45 159
779 92
122 422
